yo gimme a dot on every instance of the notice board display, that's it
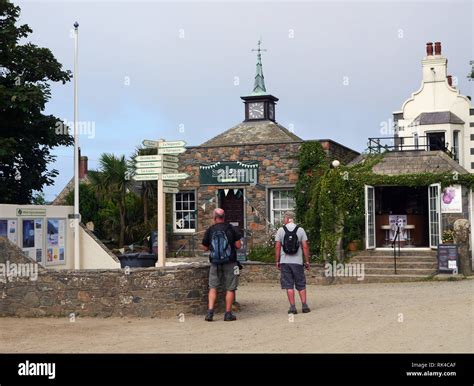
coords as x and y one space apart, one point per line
56 241
32 239
448 258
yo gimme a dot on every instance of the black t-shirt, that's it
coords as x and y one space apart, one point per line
233 235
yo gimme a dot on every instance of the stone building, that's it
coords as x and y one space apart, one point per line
250 171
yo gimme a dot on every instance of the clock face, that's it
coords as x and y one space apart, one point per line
256 110
271 111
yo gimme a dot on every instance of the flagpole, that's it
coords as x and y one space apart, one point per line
77 262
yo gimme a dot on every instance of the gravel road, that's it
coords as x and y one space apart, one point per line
399 317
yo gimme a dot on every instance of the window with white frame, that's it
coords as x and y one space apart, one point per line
281 201
184 212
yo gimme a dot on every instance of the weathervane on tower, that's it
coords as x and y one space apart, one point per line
259 105
259 85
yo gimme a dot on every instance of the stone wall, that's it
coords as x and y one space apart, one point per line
256 272
143 292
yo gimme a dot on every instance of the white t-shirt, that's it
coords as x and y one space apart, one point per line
280 236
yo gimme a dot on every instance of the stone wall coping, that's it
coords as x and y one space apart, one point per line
249 262
171 269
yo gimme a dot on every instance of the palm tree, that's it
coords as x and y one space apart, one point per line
111 182
148 188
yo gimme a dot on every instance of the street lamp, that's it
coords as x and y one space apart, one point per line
77 264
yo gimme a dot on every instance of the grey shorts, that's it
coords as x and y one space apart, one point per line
224 276
292 276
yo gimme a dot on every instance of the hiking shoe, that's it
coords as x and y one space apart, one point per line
306 309
210 316
229 317
236 307
292 310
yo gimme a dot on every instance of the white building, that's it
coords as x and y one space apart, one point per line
437 116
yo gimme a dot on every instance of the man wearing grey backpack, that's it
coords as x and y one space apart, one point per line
291 244
222 240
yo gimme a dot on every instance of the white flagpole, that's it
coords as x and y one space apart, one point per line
77 262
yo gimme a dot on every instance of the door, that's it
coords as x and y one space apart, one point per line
369 217
232 201
434 214
436 141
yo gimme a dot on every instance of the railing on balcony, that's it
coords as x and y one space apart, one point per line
377 145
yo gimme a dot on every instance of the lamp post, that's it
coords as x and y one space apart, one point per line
77 263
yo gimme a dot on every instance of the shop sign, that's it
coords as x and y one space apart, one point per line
224 173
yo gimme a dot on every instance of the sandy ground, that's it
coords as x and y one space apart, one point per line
402 317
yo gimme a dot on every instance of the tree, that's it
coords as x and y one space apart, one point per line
111 183
470 76
26 134
148 189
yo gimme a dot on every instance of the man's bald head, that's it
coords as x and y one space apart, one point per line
219 215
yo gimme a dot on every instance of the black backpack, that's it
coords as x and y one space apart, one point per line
220 248
291 244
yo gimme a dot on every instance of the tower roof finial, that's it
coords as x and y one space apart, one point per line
259 84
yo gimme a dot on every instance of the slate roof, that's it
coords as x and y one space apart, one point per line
437 117
255 132
413 162
61 197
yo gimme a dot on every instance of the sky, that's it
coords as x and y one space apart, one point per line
176 70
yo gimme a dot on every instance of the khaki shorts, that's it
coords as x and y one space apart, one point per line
224 276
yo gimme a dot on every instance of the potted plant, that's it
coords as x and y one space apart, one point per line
448 236
354 245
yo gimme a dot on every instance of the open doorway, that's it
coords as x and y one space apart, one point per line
407 206
232 201
436 141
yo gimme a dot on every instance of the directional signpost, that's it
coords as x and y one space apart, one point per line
175 176
170 184
163 168
146 177
170 190
171 150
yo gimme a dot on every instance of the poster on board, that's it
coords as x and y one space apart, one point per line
8 229
55 241
401 221
32 239
451 199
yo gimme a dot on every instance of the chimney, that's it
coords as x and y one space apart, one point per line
429 49
83 169
437 48
450 80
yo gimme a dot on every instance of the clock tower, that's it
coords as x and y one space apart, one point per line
259 105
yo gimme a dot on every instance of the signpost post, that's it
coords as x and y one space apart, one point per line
162 168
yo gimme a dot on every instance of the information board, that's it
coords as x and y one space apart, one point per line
448 258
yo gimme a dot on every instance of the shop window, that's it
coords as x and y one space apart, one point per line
184 213
281 201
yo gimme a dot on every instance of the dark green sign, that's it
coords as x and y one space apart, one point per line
225 173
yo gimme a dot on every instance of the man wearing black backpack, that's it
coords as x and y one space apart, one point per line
222 240
291 245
